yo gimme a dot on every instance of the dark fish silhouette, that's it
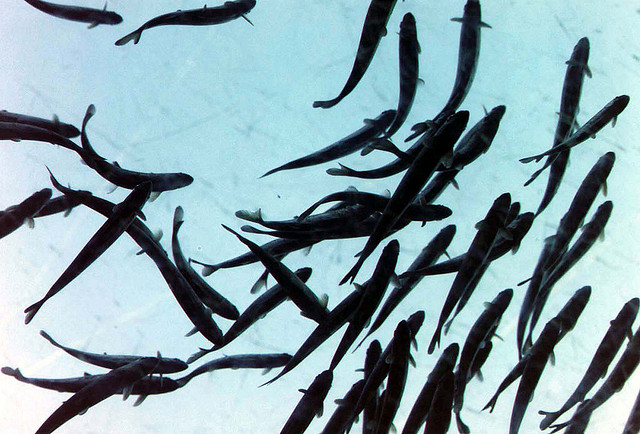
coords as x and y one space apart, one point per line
77 13
375 27
22 131
344 409
206 16
439 416
15 216
372 129
66 130
310 405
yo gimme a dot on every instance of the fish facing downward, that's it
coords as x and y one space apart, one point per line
77 13
375 27
206 16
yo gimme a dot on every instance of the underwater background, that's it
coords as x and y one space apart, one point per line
227 103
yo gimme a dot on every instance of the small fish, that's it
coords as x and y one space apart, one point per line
310 405
409 71
481 330
609 113
15 216
77 13
238 361
296 289
374 28
609 346
110 361
206 16
372 129
373 292
66 130
444 366
577 68
468 53
411 183
122 216
477 254
97 391
209 296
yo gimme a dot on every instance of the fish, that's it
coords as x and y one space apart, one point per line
632 426
372 129
609 346
145 386
21 131
206 16
418 414
409 49
374 28
439 416
297 290
482 329
429 254
61 204
122 216
110 361
261 306
477 253
338 317
608 113
577 68
414 179
209 296
373 292
66 130
77 13
238 361
624 368
97 391
180 288
468 54
310 405
398 371
374 352
13 217
344 408
125 178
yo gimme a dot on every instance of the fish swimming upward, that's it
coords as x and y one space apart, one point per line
77 13
206 16
375 27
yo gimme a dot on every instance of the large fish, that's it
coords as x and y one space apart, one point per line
374 28
372 129
409 71
411 183
310 405
66 130
477 253
122 216
111 361
97 391
577 68
115 174
206 16
468 53
209 296
611 342
608 113
77 13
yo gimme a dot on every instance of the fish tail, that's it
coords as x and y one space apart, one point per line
13 372
326 104
31 311
491 404
340 171
133 36
462 427
435 340
527 159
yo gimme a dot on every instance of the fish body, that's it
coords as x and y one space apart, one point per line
111 361
608 113
15 216
206 16
209 296
439 416
374 352
609 346
344 409
374 28
77 13
409 49
310 405
633 422
97 391
65 130
122 216
57 205
372 129
22 131
411 183
477 253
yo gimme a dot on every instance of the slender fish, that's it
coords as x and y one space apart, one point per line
77 13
